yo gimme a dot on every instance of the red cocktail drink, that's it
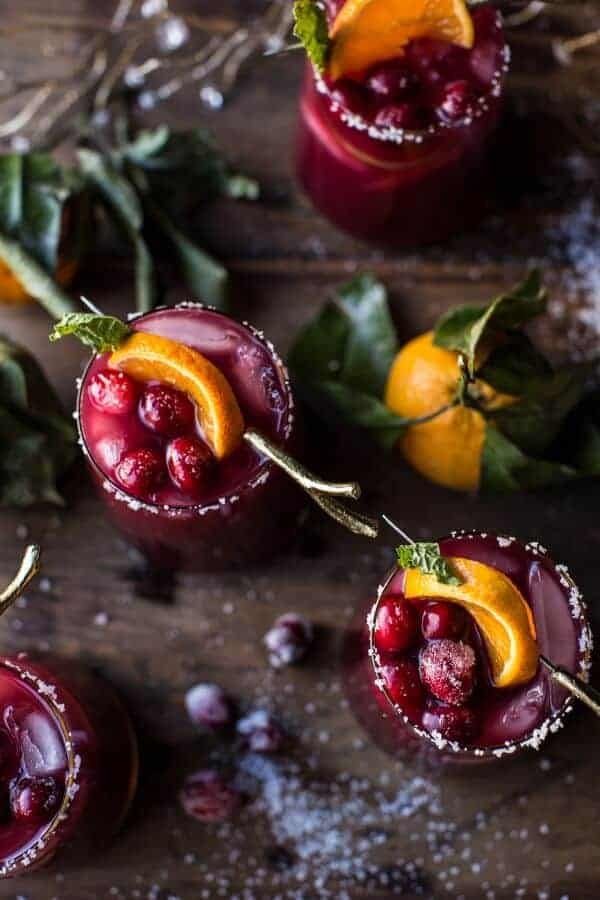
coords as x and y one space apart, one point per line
419 672
154 469
68 761
401 155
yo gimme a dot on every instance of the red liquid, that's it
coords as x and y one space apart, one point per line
247 508
421 182
74 744
508 719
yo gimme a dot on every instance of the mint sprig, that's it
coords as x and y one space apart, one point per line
101 333
427 557
311 29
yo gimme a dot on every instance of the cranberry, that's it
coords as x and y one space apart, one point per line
166 410
288 640
391 82
447 669
395 625
397 115
189 461
209 797
113 392
260 733
455 102
401 682
351 97
207 705
454 723
141 471
34 799
442 620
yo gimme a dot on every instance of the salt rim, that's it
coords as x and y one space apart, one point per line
405 135
50 694
552 723
201 509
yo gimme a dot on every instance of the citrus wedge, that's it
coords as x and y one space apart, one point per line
150 357
499 609
366 32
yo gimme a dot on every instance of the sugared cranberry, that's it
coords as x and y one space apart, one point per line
397 115
447 669
401 682
442 620
391 82
141 471
166 410
456 100
190 462
288 640
395 625
454 723
208 706
209 797
34 799
113 392
351 97
260 733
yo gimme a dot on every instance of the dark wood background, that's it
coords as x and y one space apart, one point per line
532 824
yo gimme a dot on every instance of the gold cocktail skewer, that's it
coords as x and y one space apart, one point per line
30 566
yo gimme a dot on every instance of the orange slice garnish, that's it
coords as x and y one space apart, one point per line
150 357
500 611
366 32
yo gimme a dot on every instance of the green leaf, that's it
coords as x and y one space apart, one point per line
37 440
366 411
513 364
504 467
34 278
428 559
101 333
463 329
310 27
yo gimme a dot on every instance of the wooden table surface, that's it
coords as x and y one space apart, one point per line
333 817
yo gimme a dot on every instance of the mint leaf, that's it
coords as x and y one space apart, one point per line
465 328
101 333
310 27
428 559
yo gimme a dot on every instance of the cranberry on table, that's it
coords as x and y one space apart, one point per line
447 669
454 723
442 620
260 733
208 705
395 625
401 681
141 471
209 796
288 640
34 799
166 410
189 461
113 392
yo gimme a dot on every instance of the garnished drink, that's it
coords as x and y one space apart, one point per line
398 114
448 663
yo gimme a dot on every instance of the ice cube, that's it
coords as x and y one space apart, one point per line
42 746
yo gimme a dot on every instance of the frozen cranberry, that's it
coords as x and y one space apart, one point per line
34 799
351 97
288 640
447 669
260 733
190 462
395 625
456 100
391 82
141 471
401 682
397 115
207 705
113 392
166 410
209 797
442 620
454 723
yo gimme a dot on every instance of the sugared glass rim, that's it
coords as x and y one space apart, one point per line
49 694
399 136
263 472
553 722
